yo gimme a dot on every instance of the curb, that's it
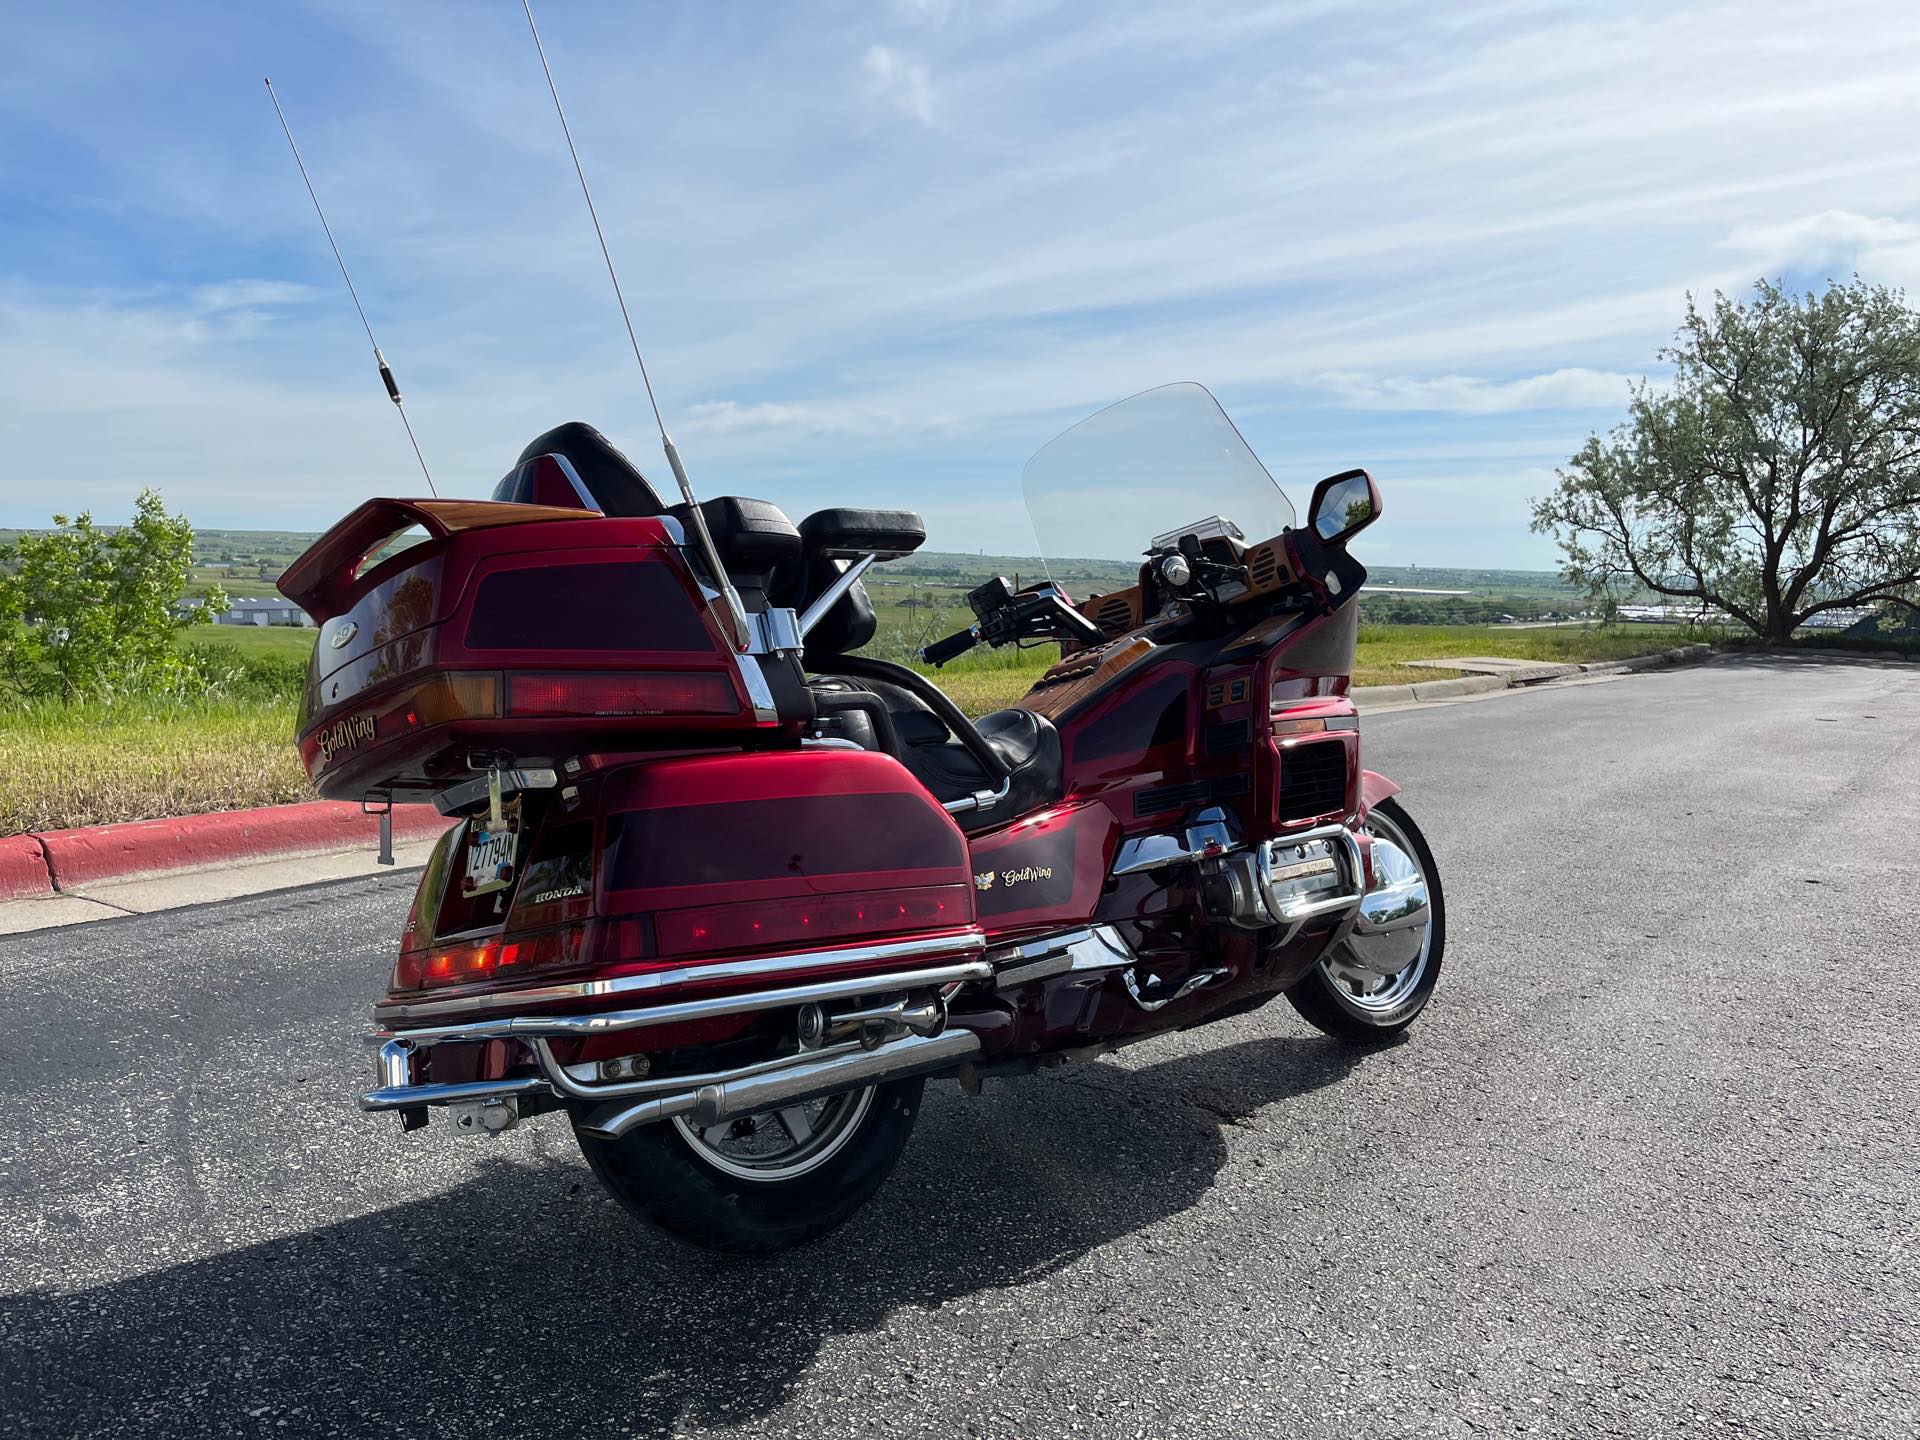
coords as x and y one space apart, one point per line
51 862
23 869
1463 685
1367 697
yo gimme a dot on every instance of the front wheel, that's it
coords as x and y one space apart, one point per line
760 1183
1355 1001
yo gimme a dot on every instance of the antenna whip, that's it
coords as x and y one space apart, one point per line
736 612
386 371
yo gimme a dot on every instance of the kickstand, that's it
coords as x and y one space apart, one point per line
385 857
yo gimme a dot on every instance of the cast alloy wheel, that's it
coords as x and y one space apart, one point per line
779 1144
1368 993
1365 1003
764 1182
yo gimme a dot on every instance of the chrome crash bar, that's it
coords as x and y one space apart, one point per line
888 1041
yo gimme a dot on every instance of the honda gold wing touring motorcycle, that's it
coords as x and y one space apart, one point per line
725 892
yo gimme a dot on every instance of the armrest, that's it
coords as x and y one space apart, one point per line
866 667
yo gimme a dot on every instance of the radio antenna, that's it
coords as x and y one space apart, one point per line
736 612
386 371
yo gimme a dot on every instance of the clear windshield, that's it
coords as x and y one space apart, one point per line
1151 466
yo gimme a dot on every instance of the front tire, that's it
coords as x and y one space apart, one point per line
765 1183
1354 1005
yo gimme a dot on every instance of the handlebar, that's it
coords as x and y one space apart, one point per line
941 651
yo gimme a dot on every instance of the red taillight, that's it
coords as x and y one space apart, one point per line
490 958
503 958
824 921
636 692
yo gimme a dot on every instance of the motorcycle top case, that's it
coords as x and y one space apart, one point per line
533 631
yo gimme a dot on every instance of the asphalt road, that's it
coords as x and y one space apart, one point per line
1646 1167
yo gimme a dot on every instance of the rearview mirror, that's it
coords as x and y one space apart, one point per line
1343 505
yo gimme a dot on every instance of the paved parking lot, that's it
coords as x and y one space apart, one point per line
1646 1167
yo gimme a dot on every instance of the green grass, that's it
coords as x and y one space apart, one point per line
1385 649
101 762
280 641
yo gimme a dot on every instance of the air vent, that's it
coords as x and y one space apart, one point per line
1228 738
1263 565
1313 780
1115 615
1195 792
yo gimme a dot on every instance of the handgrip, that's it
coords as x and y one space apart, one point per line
942 651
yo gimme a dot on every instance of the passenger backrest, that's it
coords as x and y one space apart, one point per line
833 539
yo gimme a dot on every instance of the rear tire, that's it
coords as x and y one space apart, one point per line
700 1194
1325 995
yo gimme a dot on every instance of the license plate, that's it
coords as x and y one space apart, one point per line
490 853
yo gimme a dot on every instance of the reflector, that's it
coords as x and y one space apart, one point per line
638 692
823 921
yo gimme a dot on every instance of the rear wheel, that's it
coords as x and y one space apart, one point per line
764 1182
1361 1005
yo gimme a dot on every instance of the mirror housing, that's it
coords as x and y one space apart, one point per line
1343 505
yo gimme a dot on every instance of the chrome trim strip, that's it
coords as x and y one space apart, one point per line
1097 948
966 942
765 707
1210 834
573 478
834 594
601 1022
455 798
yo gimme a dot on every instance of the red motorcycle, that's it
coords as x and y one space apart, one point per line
727 892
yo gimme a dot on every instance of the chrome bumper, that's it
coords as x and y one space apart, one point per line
783 1080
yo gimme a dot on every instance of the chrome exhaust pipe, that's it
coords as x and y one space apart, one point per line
792 1085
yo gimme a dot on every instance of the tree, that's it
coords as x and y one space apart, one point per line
84 609
1778 476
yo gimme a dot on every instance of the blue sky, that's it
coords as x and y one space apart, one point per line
880 253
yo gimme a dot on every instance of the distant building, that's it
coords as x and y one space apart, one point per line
252 612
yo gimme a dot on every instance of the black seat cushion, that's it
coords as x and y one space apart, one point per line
757 543
611 479
1026 742
850 533
751 534
832 540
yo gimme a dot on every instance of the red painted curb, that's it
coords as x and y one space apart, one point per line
98 853
23 869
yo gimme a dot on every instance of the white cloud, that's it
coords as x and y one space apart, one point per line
933 12
1569 389
246 294
844 310
903 83
728 417
1879 247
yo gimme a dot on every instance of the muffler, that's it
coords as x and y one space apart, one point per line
791 1085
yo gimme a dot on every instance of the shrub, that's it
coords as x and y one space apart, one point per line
87 611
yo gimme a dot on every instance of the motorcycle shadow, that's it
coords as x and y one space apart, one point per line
524 1301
